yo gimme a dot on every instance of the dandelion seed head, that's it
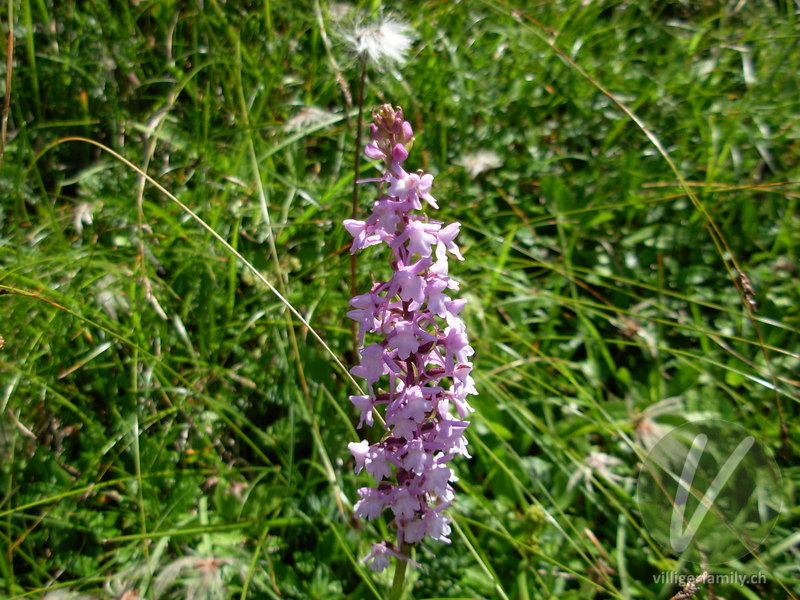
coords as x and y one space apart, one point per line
199 576
595 463
110 296
84 215
65 595
308 117
647 430
480 161
339 11
384 41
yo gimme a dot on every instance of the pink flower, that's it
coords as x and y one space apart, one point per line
364 405
446 237
421 236
363 234
414 531
405 428
437 480
380 554
371 504
372 364
410 187
405 504
417 458
404 339
366 305
437 301
376 464
415 406
359 451
437 526
420 366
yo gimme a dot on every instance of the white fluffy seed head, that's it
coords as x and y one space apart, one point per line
308 117
384 41
480 161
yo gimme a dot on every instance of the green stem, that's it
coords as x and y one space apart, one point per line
399 576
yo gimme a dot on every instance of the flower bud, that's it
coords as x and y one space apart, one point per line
399 153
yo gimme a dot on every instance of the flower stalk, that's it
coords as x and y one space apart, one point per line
418 366
357 170
399 580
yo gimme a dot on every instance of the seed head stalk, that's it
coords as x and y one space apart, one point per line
356 172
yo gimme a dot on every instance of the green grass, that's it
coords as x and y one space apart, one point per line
167 425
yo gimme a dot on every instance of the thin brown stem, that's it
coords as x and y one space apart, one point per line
9 68
337 70
354 208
